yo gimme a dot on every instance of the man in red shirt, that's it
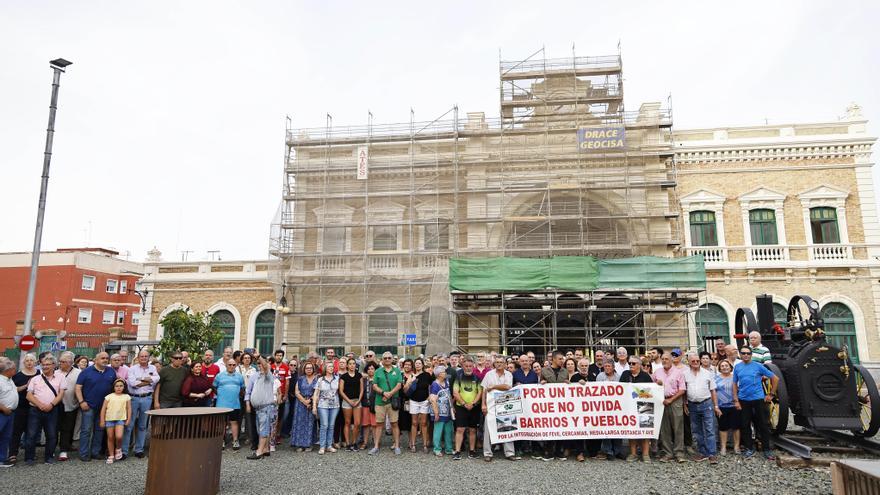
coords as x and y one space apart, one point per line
282 373
211 369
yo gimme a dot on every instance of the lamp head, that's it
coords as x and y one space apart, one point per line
59 63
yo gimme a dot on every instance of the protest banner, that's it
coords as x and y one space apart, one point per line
574 411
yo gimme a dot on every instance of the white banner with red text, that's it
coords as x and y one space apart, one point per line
573 411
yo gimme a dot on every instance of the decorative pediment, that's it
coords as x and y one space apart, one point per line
823 195
702 198
823 192
762 194
334 212
385 209
436 209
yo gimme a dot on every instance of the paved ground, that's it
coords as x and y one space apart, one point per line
351 473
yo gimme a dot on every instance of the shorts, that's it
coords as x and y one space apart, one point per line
382 411
266 417
423 407
367 418
111 424
467 419
729 420
234 415
346 405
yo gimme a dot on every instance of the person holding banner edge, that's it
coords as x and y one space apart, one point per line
498 379
635 375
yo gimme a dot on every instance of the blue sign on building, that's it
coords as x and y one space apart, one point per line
409 339
601 138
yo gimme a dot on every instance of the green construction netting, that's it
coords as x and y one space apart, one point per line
575 273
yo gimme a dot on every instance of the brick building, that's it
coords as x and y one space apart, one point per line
86 293
238 293
784 209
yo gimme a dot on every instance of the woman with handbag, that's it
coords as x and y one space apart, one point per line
368 403
302 436
325 405
418 389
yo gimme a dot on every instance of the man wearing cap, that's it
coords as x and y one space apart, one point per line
671 440
387 383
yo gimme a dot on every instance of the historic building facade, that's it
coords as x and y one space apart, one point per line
238 293
784 209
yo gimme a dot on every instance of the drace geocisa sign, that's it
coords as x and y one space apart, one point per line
601 138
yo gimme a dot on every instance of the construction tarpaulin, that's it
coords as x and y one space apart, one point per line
651 272
574 273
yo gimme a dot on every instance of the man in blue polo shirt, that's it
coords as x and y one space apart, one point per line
749 397
92 385
229 385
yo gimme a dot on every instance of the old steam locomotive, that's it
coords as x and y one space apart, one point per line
818 381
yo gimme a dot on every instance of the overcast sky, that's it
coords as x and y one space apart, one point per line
170 131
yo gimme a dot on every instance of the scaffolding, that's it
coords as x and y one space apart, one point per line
370 216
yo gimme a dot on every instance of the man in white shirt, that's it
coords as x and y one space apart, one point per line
497 379
622 362
8 405
70 410
142 379
702 407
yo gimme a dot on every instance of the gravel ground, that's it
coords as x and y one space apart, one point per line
347 472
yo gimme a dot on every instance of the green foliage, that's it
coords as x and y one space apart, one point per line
193 333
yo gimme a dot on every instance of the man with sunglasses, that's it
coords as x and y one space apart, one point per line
750 398
167 393
635 374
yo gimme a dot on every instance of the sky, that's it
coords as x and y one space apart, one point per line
170 127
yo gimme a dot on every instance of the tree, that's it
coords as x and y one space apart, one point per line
193 333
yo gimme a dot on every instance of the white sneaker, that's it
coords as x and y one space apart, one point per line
271 448
321 452
331 450
62 456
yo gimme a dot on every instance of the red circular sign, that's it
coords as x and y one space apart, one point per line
27 342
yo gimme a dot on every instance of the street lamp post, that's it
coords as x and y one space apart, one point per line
58 66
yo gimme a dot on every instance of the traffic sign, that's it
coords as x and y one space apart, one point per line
55 346
27 342
409 339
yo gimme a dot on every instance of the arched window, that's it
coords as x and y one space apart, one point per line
264 332
703 229
382 330
840 328
780 314
385 238
762 224
712 324
226 321
331 331
823 224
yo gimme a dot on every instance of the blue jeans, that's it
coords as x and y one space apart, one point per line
5 434
612 446
41 421
139 408
327 418
703 426
91 435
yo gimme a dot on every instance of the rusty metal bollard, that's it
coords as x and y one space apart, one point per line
185 450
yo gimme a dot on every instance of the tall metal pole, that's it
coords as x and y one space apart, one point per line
58 66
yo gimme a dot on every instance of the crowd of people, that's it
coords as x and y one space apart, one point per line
715 403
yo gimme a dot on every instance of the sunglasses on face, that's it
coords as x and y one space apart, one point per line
176 357
746 353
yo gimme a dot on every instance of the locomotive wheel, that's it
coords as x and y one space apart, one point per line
779 405
869 398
